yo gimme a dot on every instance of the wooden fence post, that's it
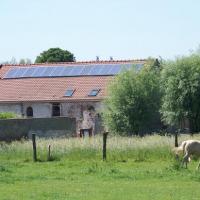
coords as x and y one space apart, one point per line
49 153
105 134
34 148
176 139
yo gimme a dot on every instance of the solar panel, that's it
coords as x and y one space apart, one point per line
20 72
47 71
29 72
57 71
104 69
76 71
38 71
86 70
67 71
94 70
115 69
11 73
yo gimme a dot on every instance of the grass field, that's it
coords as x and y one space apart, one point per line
136 168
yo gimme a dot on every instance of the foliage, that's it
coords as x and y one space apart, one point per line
13 61
7 115
181 91
55 55
25 61
133 100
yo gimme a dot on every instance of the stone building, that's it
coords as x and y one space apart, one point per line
73 90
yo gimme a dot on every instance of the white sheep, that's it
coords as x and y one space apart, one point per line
189 147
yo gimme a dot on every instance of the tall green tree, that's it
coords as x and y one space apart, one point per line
133 100
181 91
55 55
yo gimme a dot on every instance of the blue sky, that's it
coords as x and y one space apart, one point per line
123 29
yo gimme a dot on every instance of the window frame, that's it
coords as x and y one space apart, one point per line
97 90
72 92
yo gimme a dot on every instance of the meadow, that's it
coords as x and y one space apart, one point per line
136 168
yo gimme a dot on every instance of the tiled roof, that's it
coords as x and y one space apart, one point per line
53 89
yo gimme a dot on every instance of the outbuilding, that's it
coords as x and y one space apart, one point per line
49 90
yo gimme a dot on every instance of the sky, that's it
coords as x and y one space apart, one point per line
123 29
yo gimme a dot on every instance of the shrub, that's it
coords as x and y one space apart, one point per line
7 115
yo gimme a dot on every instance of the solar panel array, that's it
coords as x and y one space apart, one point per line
68 71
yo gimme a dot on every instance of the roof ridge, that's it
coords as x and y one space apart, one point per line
80 62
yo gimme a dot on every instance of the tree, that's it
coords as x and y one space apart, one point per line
133 100
25 61
22 61
28 61
55 55
181 91
13 61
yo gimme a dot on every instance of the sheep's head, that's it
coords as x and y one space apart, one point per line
177 152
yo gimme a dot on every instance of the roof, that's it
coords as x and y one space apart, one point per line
52 89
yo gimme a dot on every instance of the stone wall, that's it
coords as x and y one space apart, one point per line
86 114
14 108
40 110
83 112
15 129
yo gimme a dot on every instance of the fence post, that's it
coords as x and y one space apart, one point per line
176 139
105 134
49 153
34 148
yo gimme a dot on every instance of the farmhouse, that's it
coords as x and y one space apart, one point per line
74 90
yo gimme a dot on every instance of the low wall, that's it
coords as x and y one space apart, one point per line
15 129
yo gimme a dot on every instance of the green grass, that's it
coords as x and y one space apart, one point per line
137 168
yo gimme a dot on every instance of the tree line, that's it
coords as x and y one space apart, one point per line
165 92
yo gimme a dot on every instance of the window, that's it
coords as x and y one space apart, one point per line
94 92
55 109
29 112
91 108
69 92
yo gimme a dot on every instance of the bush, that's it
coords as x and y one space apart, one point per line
7 115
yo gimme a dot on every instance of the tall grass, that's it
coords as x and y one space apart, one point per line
118 148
